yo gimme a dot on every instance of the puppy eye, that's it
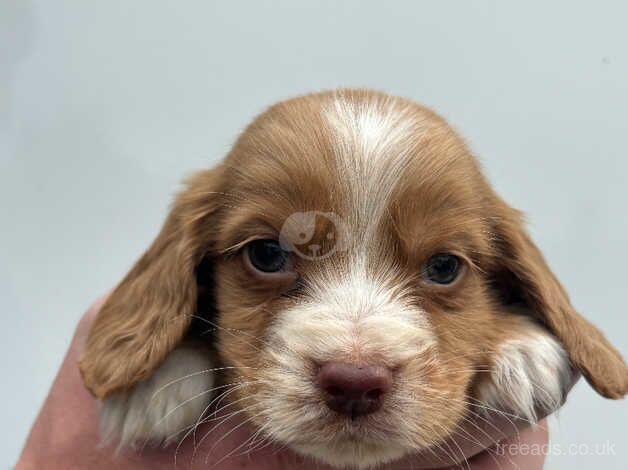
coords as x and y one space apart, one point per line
442 269
267 256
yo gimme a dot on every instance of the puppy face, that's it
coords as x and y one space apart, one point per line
369 288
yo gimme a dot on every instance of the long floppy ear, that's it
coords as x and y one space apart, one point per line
148 313
527 277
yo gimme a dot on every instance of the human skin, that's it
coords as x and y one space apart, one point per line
65 436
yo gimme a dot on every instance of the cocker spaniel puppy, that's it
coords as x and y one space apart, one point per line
350 282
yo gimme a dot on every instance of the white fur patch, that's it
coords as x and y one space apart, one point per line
158 410
352 319
530 374
355 320
374 139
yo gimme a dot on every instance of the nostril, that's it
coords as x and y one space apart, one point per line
374 394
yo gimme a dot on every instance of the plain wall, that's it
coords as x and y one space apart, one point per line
105 106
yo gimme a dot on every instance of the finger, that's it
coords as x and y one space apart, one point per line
68 413
526 450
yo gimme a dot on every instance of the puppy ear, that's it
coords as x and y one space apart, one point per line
524 276
148 313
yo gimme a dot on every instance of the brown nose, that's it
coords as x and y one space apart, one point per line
354 390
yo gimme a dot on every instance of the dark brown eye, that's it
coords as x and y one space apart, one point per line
442 269
267 256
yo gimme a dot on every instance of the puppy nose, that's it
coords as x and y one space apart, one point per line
354 390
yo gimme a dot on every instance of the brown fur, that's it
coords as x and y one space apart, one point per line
150 310
285 162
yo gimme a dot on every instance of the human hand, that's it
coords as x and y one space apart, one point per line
65 436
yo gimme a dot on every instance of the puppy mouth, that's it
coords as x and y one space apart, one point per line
342 440
353 427
348 432
352 444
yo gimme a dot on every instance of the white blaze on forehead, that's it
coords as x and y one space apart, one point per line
373 140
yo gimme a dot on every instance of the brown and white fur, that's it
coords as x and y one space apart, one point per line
394 185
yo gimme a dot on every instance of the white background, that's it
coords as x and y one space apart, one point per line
105 106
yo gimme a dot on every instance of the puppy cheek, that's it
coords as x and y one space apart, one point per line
239 325
437 387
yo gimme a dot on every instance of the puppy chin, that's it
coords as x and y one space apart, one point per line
349 453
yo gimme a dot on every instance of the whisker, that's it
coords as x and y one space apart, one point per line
232 332
194 374
217 425
223 437
192 428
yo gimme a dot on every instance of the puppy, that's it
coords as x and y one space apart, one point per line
367 290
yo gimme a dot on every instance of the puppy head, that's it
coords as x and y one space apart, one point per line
370 290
